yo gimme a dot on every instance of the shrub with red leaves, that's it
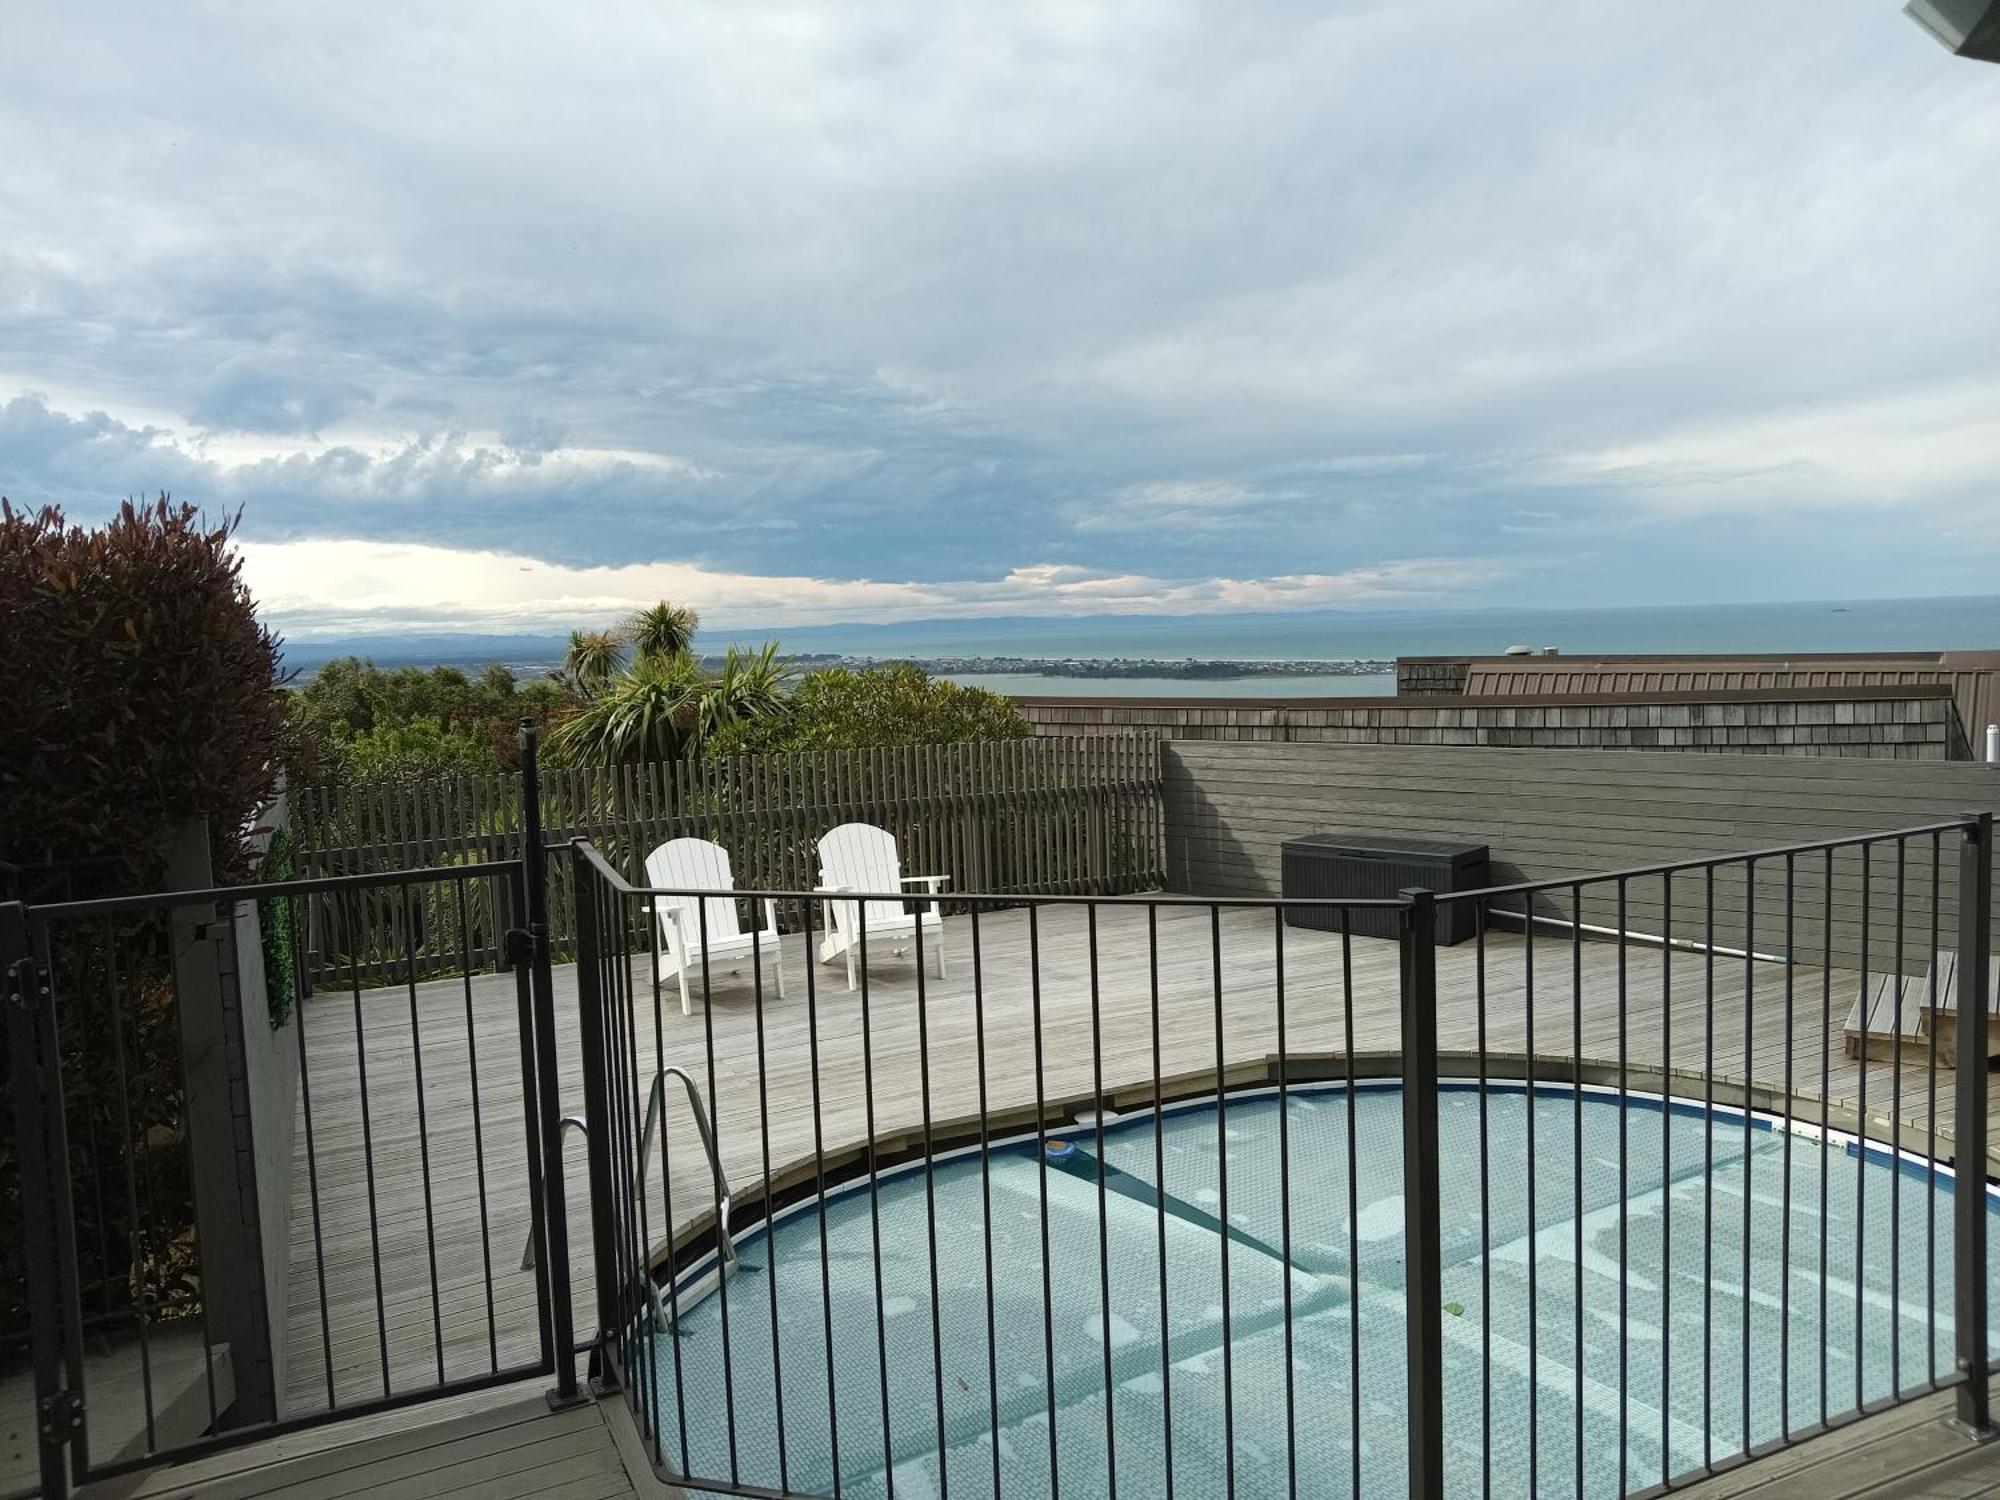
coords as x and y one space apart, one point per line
137 690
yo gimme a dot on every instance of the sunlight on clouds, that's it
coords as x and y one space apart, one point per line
330 587
1882 451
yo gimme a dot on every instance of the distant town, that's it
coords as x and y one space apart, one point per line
1185 668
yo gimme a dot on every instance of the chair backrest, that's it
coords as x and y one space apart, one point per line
693 865
862 857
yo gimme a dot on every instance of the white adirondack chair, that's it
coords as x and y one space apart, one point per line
862 857
686 933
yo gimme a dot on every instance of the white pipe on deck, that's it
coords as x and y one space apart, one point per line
1688 945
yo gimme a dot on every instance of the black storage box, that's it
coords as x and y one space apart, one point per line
1366 866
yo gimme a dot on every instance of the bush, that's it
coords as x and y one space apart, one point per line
854 708
354 720
422 747
277 921
141 691
667 707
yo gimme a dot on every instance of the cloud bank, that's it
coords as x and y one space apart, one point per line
1059 308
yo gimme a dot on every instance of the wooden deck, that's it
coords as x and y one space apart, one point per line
499 1445
452 1241
1911 1452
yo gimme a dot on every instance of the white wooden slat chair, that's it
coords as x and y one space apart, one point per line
862 857
685 933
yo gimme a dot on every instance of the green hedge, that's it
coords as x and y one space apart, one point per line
278 921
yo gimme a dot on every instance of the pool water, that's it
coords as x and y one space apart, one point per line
1033 1410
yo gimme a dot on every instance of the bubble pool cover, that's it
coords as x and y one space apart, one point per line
1032 1413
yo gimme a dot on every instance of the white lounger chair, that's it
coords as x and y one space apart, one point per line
862 857
686 933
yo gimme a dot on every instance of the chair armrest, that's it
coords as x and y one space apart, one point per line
935 882
770 915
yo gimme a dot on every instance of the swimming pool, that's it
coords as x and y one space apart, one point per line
875 1380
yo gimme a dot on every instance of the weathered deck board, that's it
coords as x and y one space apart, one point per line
1909 1452
1664 1029
496 1445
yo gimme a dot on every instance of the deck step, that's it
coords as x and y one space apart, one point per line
1942 1018
1890 1002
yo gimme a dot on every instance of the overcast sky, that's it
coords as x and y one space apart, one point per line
508 317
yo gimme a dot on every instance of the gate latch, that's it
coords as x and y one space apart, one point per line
520 945
62 1416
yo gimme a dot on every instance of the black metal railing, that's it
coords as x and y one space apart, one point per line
1663 1168
1597 1203
241 1217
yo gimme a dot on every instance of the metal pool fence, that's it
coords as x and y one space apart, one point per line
1062 1193
1684 1124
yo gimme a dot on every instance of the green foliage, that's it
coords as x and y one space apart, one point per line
593 659
750 691
277 921
651 711
355 720
141 691
420 747
663 630
666 707
852 708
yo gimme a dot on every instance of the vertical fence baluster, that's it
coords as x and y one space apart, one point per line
1353 1203
1485 1205
1285 1201
35 1080
1969 1211
1666 1175
541 1083
1896 1142
1160 1200
1042 1179
1749 1073
1222 1206
1930 1125
1422 1247
1868 1008
1576 1155
1785 1213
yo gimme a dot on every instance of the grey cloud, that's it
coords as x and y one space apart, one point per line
250 396
528 433
934 291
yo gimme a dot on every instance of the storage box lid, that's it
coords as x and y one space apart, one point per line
1378 843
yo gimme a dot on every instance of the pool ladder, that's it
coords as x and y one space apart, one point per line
725 1247
656 1100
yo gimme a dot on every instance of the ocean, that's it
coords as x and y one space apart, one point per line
1360 635
1961 623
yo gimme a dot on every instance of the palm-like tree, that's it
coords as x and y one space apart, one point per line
663 630
650 711
751 686
593 659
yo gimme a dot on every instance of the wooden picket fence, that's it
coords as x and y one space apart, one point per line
1070 815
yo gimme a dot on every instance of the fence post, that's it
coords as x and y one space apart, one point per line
1975 910
1422 1250
58 1410
595 1048
546 1095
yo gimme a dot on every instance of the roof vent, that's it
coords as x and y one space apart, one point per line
1520 650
